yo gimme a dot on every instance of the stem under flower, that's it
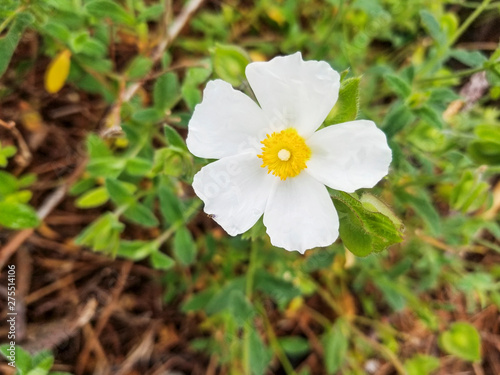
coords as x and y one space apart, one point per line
248 294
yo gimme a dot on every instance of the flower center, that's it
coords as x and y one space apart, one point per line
285 153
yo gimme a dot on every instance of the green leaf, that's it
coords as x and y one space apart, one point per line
421 364
391 292
486 148
23 360
470 193
136 250
397 119
106 8
93 198
161 261
18 216
106 166
120 192
174 138
26 180
241 308
424 208
170 206
103 234
190 91
473 59
219 302
57 31
166 92
347 106
361 230
463 341
43 360
372 203
484 152
336 343
139 67
152 13
173 161
140 214
138 166
191 95
430 115
280 290
398 85
230 62
433 27
259 353
442 96
9 42
94 48
198 301
148 116
5 153
96 147
22 196
184 246
294 346
6 352
9 183
82 186
37 371
89 82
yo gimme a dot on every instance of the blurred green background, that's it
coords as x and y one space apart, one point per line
124 274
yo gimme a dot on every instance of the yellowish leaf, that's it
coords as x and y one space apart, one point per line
276 14
57 72
257 56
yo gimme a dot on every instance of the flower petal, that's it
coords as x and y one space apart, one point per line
293 92
225 123
349 156
235 190
300 214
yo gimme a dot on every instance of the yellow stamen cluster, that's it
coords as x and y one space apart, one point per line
285 153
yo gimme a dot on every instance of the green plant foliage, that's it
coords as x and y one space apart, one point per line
256 309
37 364
336 342
15 212
363 231
9 42
462 340
6 153
166 92
421 365
347 106
106 8
229 63
486 148
184 246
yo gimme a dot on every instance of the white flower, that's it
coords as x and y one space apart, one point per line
271 160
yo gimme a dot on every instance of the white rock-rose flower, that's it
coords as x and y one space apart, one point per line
273 162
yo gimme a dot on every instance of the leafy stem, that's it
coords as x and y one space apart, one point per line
460 74
287 366
173 228
383 350
6 22
248 293
465 25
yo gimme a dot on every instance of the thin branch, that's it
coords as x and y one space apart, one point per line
25 152
47 207
172 32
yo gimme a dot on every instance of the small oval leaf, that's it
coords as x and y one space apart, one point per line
17 216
